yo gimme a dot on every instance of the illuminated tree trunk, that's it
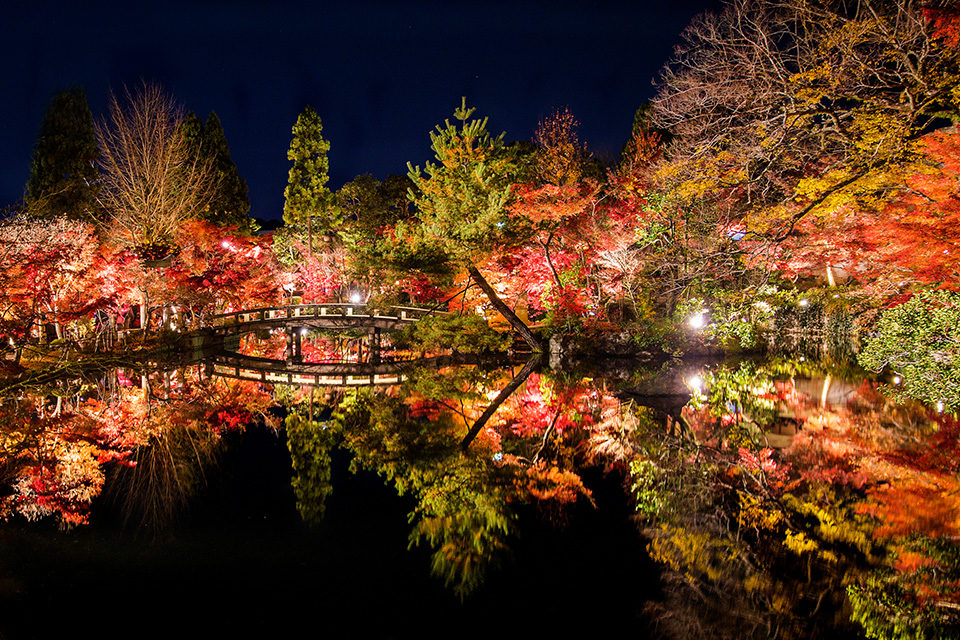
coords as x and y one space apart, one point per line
144 312
504 310
519 379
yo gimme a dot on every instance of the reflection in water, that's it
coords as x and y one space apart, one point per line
785 499
779 498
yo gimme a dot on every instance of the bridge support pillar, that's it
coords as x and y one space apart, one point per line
374 345
293 353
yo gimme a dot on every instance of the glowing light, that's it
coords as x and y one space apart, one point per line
804 302
303 331
355 297
940 407
802 359
498 456
897 379
696 320
695 383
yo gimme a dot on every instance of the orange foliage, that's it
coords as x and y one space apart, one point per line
911 237
547 482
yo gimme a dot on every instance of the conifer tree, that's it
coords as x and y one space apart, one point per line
63 175
307 195
462 199
231 203
192 131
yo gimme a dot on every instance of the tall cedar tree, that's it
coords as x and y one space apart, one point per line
463 198
307 194
230 205
63 174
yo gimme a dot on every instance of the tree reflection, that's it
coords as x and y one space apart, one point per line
768 536
143 438
780 499
468 443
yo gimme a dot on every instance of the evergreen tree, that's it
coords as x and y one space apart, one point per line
63 175
367 204
192 131
462 200
230 204
307 195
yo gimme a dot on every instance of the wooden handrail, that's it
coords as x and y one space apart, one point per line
320 310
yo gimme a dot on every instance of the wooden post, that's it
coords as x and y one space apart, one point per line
374 348
297 356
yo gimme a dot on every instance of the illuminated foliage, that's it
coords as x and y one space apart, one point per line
462 199
151 182
788 110
918 340
307 196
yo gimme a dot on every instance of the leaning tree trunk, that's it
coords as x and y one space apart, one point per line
504 310
481 422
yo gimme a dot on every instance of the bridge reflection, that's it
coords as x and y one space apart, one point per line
321 374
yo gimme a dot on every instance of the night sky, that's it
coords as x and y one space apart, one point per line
381 75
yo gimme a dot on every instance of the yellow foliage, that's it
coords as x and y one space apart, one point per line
828 556
755 514
799 543
693 554
836 522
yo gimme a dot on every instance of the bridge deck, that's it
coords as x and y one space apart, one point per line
320 316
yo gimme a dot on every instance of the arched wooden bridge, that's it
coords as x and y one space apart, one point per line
295 320
319 316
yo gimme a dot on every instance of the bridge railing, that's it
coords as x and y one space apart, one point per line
267 376
327 310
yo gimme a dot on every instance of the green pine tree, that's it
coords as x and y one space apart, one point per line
192 130
63 174
307 195
231 204
462 200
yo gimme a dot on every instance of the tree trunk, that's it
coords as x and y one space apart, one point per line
519 379
310 234
145 312
504 310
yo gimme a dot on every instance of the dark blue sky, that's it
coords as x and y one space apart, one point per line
381 75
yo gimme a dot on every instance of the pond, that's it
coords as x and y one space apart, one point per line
779 496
